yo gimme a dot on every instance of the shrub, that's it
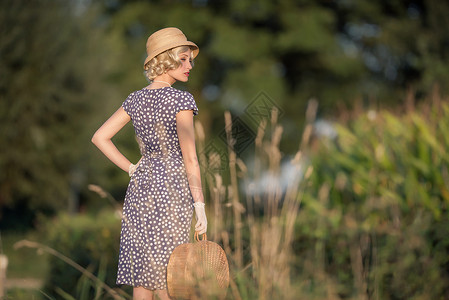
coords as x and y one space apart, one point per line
91 242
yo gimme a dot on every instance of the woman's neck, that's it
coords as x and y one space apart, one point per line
161 82
165 77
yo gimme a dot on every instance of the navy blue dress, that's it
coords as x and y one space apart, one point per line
158 207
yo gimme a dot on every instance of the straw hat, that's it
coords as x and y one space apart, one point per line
165 39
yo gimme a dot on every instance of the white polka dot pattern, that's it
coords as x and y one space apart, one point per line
157 211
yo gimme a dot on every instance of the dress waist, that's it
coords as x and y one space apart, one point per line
159 154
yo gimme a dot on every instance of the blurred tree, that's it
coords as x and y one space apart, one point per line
53 63
404 43
333 50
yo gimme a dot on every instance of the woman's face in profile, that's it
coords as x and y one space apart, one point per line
183 71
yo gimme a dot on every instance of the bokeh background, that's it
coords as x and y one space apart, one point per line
323 131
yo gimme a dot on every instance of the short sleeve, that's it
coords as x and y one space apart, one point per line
186 101
128 104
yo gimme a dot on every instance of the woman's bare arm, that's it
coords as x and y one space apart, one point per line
186 135
102 138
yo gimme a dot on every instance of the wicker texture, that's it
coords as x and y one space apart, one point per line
199 266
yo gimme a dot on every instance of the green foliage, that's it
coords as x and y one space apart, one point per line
375 218
92 242
53 70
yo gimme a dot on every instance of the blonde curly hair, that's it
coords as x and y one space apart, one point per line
167 60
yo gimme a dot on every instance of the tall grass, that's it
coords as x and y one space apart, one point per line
256 225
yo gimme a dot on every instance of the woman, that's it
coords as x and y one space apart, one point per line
164 184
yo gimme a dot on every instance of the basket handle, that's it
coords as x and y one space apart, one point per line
197 237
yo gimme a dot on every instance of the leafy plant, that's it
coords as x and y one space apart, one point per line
374 220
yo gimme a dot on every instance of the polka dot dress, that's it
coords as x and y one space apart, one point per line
158 207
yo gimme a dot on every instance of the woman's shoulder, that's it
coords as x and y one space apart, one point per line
175 96
179 93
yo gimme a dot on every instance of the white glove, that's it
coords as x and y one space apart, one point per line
133 168
201 220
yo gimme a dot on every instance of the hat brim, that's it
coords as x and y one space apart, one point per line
158 51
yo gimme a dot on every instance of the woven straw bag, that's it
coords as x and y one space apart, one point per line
198 269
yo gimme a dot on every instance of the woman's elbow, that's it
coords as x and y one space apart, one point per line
95 139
